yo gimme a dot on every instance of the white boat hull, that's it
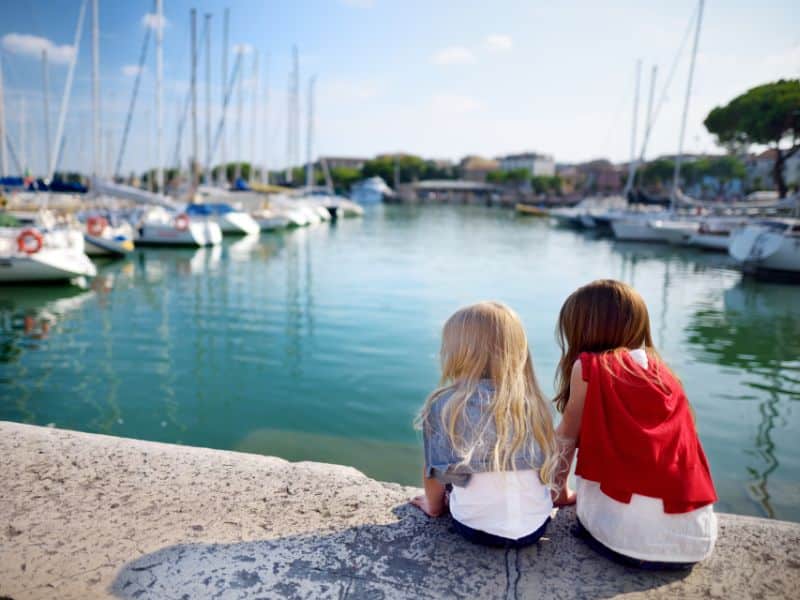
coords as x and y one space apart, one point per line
709 241
237 223
272 223
198 233
635 231
100 246
46 265
675 232
760 248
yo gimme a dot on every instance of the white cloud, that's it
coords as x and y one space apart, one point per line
359 3
131 70
153 21
454 103
497 42
454 55
33 45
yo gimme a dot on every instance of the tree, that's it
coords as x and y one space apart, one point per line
767 115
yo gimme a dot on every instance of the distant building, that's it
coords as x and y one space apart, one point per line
537 164
476 168
449 191
759 170
347 162
599 177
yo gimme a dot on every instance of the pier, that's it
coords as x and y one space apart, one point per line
93 516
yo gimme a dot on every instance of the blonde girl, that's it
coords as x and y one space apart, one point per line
488 432
644 489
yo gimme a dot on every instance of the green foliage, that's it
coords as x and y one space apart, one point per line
410 168
723 168
511 176
544 184
344 177
765 114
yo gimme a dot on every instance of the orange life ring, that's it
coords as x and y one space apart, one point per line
182 222
29 241
96 225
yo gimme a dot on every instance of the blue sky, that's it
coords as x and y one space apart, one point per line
442 79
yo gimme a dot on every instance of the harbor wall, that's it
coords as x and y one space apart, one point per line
93 516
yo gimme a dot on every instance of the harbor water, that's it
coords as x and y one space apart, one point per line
321 343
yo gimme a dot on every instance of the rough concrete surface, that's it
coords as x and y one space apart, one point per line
90 516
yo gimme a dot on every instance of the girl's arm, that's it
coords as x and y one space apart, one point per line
434 502
567 434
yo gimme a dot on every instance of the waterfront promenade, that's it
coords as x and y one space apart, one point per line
90 516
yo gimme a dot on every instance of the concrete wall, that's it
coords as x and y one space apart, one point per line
91 516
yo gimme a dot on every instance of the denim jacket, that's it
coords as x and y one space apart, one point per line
443 463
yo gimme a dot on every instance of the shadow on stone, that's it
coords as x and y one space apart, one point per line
415 557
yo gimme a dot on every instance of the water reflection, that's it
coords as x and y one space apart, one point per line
757 330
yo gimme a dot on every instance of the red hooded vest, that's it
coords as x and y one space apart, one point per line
637 438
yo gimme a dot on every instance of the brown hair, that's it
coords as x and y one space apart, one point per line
603 316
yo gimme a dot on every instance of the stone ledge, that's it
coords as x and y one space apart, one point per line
92 516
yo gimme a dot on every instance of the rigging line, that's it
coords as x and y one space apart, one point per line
229 93
184 116
134 94
673 68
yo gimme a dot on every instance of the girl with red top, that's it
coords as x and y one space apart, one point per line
644 493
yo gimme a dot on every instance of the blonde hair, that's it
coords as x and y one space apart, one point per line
487 341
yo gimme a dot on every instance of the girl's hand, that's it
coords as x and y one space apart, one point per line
421 502
565 497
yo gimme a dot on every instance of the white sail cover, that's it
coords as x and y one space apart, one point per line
127 192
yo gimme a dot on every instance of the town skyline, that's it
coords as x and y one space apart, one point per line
454 86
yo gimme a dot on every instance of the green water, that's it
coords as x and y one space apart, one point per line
321 343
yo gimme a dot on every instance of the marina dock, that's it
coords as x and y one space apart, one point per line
92 516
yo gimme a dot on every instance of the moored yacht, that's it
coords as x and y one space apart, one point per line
103 238
768 246
160 227
230 220
30 254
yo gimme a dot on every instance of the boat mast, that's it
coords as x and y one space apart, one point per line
95 89
194 101
265 174
239 107
159 92
310 138
632 166
650 116
62 115
678 159
225 50
208 98
254 117
23 136
46 104
3 158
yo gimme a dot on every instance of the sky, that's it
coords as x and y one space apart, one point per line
442 79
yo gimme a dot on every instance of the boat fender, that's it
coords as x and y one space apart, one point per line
29 241
182 222
96 225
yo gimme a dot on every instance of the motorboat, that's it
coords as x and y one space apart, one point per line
372 190
230 220
768 246
103 237
161 227
29 254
